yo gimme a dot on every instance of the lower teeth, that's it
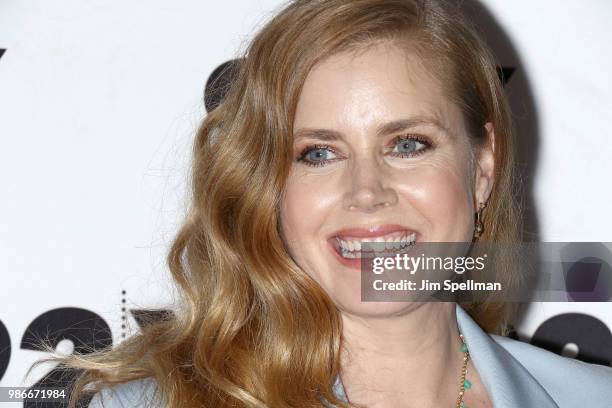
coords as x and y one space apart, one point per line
372 254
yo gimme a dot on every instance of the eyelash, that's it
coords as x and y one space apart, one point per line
428 145
308 149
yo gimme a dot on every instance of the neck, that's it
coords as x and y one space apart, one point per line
411 358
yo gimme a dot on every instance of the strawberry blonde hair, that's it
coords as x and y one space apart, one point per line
253 329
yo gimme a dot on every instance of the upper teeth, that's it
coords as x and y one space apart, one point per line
354 244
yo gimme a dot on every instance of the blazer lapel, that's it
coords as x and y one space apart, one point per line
508 383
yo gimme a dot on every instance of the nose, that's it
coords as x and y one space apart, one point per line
368 188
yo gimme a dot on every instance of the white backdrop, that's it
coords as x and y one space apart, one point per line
99 101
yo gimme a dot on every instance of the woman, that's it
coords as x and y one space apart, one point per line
349 120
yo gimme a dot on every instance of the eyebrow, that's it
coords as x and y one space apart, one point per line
383 130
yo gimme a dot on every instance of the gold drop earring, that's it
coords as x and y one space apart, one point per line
479 227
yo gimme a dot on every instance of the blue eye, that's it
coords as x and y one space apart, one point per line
408 146
317 155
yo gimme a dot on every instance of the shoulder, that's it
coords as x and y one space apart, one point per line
132 394
564 378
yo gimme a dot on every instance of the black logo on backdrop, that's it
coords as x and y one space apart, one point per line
588 333
5 349
86 330
219 83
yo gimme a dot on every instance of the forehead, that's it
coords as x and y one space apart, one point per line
380 83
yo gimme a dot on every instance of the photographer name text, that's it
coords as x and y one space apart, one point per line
426 285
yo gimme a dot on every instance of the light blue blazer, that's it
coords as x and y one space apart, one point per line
515 374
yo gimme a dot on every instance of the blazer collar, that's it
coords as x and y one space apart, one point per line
508 383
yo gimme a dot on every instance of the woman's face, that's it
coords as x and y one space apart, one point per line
379 151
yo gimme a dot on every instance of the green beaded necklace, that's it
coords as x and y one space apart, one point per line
465 384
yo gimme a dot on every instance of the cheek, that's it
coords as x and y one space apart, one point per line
301 208
441 195
306 206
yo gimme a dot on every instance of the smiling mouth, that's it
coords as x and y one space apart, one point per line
369 247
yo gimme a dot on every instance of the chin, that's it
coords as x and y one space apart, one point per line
356 307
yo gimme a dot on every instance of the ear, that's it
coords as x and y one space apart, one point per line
485 167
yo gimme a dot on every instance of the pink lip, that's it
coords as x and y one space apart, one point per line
375 231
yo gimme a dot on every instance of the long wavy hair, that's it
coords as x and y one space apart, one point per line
252 329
